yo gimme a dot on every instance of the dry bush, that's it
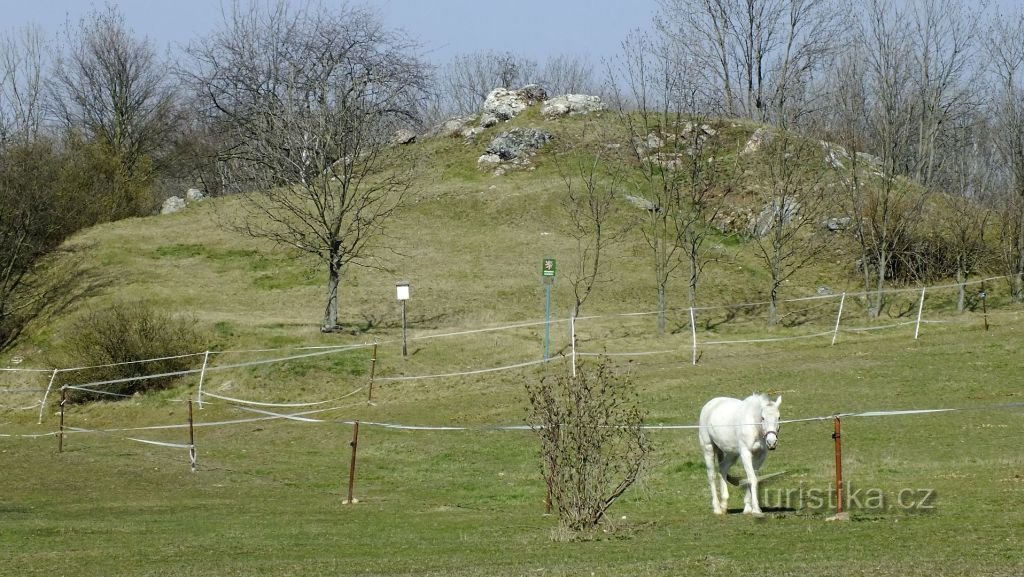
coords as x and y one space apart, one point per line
122 334
593 445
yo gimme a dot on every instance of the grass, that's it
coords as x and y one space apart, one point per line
267 499
267 496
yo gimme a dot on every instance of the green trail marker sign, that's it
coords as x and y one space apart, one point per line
547 267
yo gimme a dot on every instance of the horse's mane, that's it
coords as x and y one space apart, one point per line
763 397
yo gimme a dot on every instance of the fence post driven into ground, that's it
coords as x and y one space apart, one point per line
202 376
693 332
373 369
839 315
920 311
60 430
352 465
42 404
837 435
191 438
984 307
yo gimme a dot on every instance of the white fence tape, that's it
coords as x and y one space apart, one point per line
466 373
302 417
261 404
161 444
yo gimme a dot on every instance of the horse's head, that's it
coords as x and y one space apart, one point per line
770 422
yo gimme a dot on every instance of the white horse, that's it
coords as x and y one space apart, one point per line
732 429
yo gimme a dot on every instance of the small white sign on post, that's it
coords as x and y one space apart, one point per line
402 289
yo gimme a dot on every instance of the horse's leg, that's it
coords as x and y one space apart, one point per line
750 504
710 454
725 462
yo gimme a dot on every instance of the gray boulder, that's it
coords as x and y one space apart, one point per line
505 104
517 143
774 213
642 203
760 137
488 120
194 195
571 104
172 205
403 136
450 128
838 223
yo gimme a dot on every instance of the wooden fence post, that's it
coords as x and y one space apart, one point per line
60 431
837 435
373 369
352 466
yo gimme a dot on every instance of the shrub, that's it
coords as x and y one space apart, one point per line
593 445
118 337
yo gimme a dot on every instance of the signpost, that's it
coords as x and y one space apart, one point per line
547 274
402 289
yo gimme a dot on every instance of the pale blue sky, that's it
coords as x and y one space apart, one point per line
534 28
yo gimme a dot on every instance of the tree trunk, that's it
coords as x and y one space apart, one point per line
961 279
661 308
878 300
331 311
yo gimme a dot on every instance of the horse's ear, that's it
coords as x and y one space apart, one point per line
778 400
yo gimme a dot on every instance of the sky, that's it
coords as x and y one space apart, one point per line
533 28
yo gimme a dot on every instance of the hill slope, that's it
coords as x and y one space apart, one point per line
464 498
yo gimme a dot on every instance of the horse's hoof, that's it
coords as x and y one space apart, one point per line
757 514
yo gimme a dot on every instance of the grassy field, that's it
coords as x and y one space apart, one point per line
932 494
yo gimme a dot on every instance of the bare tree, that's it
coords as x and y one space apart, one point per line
111 87
683 182
701 28
809 29
789 235
965 179
760 54
467 80
23 60
945 35
567 74
885 206
307 102
1005 54
593 196
30 227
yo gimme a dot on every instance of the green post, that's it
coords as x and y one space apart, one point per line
547 273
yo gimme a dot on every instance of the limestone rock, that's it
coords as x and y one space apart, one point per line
571 104
518 143
172 205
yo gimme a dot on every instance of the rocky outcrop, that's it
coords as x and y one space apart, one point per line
837 157
175 204
775 213
757 140
518 143
571 104
512 149
403 136
451 128
505 104
172 205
